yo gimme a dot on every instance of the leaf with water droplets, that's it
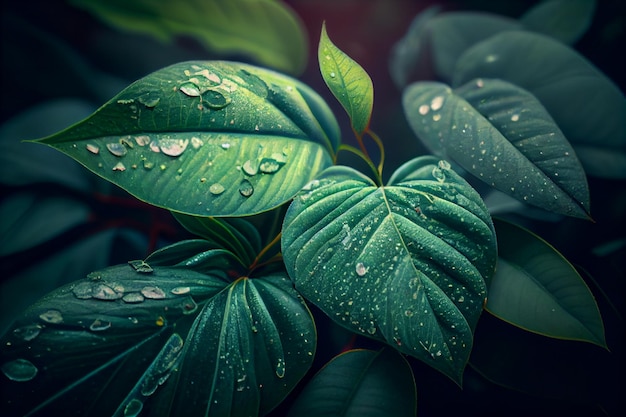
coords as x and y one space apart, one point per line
224 138
348 82
502 135
407 263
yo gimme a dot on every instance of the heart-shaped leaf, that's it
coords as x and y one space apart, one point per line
207 138
535 288
348 82
587 106
157 338
360 383
405 263
502 135
266 30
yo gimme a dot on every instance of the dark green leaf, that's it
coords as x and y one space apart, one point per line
348 82
207 138
405 263
588 107
537 289
266 30
360 383
237 235
504 136
565 20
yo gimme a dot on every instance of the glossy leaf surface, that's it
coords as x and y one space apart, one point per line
207 138
502 135
266 30
161 339
565 20
348 82
405 263
588 107
360 383
537 289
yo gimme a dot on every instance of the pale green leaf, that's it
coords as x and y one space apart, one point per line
348 82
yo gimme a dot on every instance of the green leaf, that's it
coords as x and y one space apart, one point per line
207 138
564 20
588 107
235 234
502 135
360 383
348 82
267 31
162 339
405 263
537 289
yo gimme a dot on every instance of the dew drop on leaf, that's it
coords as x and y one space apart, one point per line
154 293
245 188
216 189
250 167
361 269
133 298
117 149
173 147
99 325
94 149
133 408
28 332
52 316
119 167
190 89
19 370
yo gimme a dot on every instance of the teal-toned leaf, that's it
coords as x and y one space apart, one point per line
537 289
246 351
268 31
406 263
234 234
588 107
360 383
208 138
348 82
502 135
162 339
565 20
114 323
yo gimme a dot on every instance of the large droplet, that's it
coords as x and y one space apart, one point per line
104 292
150 99
250 167
19 370
280 368
83 290
173 147
361 269
269 165
99 325
245 188
28 332
133 408
52 317
215 99
133 298
94 149
154 293
190 89
216 189
117 149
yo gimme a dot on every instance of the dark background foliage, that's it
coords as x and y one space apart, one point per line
58 222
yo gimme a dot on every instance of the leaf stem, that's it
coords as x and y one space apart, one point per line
381 148
264 251
364 157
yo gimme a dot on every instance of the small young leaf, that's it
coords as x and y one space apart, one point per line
407 263
348 82
181 138
360 383
537 289
501 134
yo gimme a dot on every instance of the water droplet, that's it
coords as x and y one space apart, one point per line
225 145
424 109
94 149
480 83
119 167
280 368
361 269
83 290
436 103
180 290
438 174
515 118
140 266
371 330
105 292
216 189
28 332
133 297
215 99
332 75
245 188
99 325
269 166
443 164
436 117
117 149
250 167
19 370
173 147
148 165
461 299
52 316
133 408
196 143
154 293
190 89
